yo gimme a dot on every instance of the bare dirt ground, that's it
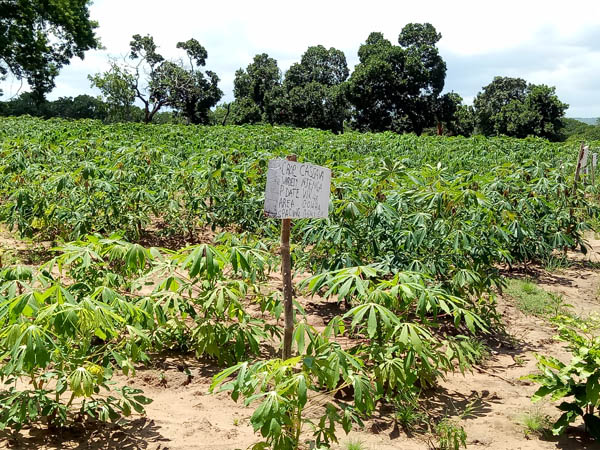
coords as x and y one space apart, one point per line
184 416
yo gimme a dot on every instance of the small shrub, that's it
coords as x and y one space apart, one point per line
355 445
408 415
576 384
450 435
534 423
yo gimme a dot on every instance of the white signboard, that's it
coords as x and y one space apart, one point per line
594 159
297 190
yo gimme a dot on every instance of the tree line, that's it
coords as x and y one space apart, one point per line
394 87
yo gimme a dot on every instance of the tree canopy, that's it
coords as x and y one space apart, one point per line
157 83
312 93
315 89
512 107
253 90
38 37
396 87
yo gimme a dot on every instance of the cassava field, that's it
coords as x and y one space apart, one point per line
447 302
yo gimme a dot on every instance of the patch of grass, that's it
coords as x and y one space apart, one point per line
557 262
535 423
408 415
533 300
355 445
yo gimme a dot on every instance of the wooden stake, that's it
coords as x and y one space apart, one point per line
286 273
578 168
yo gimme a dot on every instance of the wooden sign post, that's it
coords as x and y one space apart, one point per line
582 150
294 191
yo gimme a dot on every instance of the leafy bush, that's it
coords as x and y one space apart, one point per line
577 383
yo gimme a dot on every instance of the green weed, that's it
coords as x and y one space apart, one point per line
519 361
408 415
450 435
557 262
534 422
355 445
533 300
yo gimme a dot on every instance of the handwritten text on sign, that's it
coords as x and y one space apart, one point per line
297 190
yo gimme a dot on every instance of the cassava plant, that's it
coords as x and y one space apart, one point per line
576 384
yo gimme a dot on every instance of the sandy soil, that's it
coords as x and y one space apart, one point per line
184 416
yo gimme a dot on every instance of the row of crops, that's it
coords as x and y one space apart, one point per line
417 231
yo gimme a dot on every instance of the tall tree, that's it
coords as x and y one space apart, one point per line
158 83
123 83
253 88
39 37
494 99
451 115
396 87
189 90
512 107
117 86
315 89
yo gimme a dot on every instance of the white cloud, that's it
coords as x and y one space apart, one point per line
547 42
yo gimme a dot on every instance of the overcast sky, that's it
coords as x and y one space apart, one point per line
551 42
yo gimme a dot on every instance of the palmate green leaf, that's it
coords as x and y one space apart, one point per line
364 395
14 309
225 297
82 382
204 260
348 282
380 320
220 378
136 257
412 335
30 346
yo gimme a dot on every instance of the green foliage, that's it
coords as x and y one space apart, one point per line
66 342
534 422
576 131
253 90
185 89
285 389
391 356
408 414
315 90
313 93
37 38
450 435
395 87
354 445
511 107
69 326
391 202
575 384
118 89
533 300
416 232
